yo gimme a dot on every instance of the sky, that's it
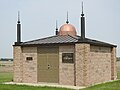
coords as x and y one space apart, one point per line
38 18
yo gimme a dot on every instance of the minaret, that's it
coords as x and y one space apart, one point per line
82 25
67 18
56 32
18 30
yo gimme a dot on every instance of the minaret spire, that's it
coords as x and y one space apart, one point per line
56 32
67 18
82 25
18 30
18 17
82 9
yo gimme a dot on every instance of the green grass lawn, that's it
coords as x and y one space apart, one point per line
118 75
24 87
115 85
106 86
6 77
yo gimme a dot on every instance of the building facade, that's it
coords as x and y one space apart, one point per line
65 58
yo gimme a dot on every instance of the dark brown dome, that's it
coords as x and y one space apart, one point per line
67 29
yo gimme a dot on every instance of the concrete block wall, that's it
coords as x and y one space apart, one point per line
94 64
102 64
30 66
66 70
99 64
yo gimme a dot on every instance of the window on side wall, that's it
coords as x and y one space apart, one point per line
29 58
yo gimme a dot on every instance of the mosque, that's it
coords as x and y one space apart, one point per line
65 58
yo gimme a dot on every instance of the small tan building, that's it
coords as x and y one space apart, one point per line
65 58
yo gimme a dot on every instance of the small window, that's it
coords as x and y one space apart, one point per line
67 57
29 58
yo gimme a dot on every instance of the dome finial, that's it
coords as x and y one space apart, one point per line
56 25
56 32
82 10
67 18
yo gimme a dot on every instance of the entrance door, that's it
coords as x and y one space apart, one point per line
48 67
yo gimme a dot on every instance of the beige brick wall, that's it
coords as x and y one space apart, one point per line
81 64
30 67
99 64
66 70
18 64
25 71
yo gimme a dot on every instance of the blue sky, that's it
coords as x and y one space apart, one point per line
38 19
